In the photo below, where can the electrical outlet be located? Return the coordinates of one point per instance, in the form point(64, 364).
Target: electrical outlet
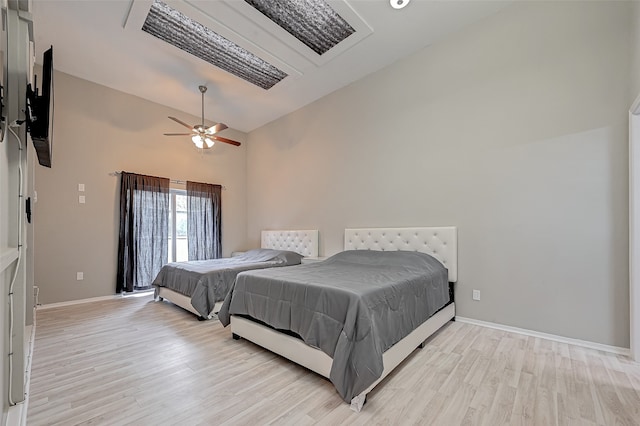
point(81, 199)
point(79, 276)
point(476, 294)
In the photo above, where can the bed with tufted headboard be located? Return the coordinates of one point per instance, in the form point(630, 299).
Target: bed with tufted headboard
point(304, 242)
point(382, 293)
point(200, 286)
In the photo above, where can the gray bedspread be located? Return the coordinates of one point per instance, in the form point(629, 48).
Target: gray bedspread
point(353, 306)
point(209, 281)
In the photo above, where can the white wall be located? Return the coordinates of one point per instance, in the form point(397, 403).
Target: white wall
point(7, 218)
point(514, 130)
point(13, 244)
point(97, 131)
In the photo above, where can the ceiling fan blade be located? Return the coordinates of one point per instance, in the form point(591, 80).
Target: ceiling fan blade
point(178, 134)
point(225, 140)
point(181, 122)
point(216, 128)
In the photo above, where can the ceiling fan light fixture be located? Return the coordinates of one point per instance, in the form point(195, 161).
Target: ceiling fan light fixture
point(197, 140)
point(209, 142)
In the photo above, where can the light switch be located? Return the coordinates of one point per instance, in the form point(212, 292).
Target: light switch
point(81, 187)
point(81, 199)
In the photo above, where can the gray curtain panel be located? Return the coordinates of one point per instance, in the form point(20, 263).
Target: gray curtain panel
point(144, 230)
point(204, 226)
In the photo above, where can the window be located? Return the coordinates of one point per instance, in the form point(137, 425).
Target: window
point(178, 243)
point(164, 225)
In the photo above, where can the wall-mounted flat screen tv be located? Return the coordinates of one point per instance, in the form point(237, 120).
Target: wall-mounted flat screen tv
point(40, 111)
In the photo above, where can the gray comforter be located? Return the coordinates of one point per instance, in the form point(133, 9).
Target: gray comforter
point(209, 281)
point(353, 306)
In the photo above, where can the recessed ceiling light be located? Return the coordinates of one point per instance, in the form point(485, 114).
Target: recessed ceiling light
point(399, 4)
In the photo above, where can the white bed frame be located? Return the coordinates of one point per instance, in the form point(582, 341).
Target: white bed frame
point(304, 242)
point(439, 242)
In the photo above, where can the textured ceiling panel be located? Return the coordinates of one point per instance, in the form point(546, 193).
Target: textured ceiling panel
point(313, 22)
point(179, 30)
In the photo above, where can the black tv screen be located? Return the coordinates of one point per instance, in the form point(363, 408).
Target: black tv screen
point(40, 109)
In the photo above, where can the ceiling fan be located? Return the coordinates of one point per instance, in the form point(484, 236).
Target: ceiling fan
point(203, 137)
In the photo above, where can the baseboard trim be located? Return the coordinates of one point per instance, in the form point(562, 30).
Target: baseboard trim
point(16, 414)
point(79, 301)
point(95, 299)
point(561, 339)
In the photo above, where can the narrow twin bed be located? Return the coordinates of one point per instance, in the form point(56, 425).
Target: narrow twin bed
point(200, 286)
point(355, 316)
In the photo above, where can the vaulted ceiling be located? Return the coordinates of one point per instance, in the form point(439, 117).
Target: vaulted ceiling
point(103, 41)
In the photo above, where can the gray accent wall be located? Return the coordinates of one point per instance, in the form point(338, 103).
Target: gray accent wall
point(514, 130)
point(635, 50)
point(97, 131)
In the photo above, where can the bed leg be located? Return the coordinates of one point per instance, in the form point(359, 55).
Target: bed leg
point(358, 401)
point(235, 336)
point(422, 345)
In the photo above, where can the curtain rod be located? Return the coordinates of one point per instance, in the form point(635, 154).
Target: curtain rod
point(177, 181)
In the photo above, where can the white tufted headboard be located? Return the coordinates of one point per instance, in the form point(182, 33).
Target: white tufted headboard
point(439, 242)
point(303, 242)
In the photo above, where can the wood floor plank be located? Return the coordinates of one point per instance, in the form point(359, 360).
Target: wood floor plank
point(502, 407)
point(451, 412)
point(567, 408)
point(132, 361)
point(473, 416)
point(545, 411)
point(522, 409)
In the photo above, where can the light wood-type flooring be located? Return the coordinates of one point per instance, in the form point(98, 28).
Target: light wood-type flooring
point(140, 362)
